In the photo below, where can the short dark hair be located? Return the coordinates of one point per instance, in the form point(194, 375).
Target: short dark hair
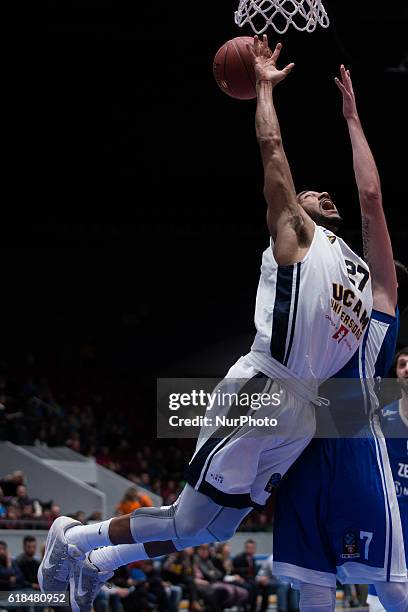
point(403, 351)
point(402, 272)
point(249, 542)
point(402, 279)
point(2, 543)
point(29, 538)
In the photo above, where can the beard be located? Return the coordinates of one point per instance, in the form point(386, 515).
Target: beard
point(333, 224)
point(403, 383)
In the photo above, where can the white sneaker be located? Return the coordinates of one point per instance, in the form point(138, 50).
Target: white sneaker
point(54, 570)
point(85, 582)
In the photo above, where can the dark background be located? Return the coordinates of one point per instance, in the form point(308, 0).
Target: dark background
point(137, 223)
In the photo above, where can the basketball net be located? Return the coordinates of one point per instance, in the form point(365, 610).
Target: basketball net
point(304, 15)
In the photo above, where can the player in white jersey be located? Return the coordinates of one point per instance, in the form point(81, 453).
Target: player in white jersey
point(313, 305)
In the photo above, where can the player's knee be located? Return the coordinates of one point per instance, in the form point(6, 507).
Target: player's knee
point(153, 524)
point(222, 533)
point(393, 595)
point(189, 527)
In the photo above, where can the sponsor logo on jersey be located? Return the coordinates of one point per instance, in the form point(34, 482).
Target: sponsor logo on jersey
point(340, 334)
point(350, 546)
point(400, 489)
point(273, 482)
point(403, 470)
point(357, 319)
point(332, 239)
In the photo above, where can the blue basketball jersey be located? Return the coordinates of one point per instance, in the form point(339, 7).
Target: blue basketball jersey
point(336, 513)
point(395, 428)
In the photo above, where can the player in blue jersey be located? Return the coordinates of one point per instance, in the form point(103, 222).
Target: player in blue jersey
point(395, 428)
point(336, 513)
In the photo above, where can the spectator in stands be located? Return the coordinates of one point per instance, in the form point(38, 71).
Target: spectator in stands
point(244, 565)
point(146, 592)
point(132, 500)
point(156, 592)
point(12, 516)
point(95, 517)
point(222, 561)
point(288, 598)
point(3, 508)
point(10, 483)
point(22, 497)
point(46, 516)
point(104, 456)
point(109, 598)
point(74, 442)
point(209, 580)
point(55, 512)
point(170, 491)
point(178, 569)
point(27, 514)
point(80, 516)
point(10, 575)
point(29, 563)
point(145, 481)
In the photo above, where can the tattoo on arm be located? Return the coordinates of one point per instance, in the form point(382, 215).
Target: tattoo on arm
point(366, 238)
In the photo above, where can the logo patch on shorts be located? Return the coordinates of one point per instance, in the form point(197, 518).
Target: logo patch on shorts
point(219, 478)
point(351, 545)
point(273, 482)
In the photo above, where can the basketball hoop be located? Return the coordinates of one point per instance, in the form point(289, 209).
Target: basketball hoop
point(304, 15)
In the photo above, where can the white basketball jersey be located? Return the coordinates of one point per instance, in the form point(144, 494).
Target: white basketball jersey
point(312, 316)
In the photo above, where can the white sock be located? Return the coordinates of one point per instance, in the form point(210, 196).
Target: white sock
point(88, 537)
point(110, 558)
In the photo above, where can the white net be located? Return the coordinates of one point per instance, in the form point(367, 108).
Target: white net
point(304, 15)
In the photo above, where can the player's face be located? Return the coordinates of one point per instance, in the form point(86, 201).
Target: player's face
point(402, 370)
point(321, 208)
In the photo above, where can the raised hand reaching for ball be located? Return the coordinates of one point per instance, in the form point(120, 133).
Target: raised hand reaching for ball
point(265, 61)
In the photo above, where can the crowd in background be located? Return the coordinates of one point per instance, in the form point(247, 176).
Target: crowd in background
point(36, 411)
point(18, 510)
point(92, 417)
point(207, 579)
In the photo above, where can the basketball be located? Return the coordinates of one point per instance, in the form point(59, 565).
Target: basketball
point(234, 70)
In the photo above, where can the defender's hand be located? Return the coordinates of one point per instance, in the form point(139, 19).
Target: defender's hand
point(349, 99)
point(265, 61)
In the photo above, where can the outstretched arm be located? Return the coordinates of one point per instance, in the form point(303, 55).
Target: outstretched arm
point(289, 226)
point(376, 239)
